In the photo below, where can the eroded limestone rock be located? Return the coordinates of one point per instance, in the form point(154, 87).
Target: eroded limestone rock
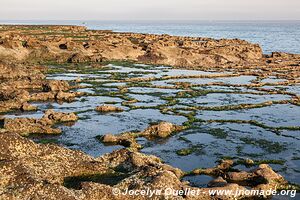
point(18, 71)
point(108, 108)
point(19, 80)
point(106, 45)
point(56, 85)
point(12, 99)
point(161, 130)
point(127, 139)
point(25, 126)
point(34, 171)
point(57, 117)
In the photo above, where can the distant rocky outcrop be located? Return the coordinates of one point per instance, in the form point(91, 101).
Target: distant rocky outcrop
point(76, 44)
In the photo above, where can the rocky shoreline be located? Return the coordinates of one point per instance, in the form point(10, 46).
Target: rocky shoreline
point(48, 171)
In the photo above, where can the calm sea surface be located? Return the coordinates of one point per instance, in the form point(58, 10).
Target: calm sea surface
point(271, 35)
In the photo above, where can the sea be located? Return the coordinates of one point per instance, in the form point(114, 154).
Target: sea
point(273, 36)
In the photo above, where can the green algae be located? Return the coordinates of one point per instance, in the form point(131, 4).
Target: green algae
point(109, 178)
point(184, 139)
point(258, 162)
point(252, 122)
point(270, 147)
point(218, 133)
point(48, 141)
point(185, 152)
point(197, 149)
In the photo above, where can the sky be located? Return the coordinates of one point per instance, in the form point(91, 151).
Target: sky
point(150, 10)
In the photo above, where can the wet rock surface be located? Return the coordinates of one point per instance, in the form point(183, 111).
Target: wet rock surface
point(108, 108)
point(48, 171)
point(127, 139)
point(161, 130)
point(26, 126)
point(19, 85)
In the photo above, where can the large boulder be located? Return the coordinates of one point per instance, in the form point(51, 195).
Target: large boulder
point(161, 130)
point(128, 139)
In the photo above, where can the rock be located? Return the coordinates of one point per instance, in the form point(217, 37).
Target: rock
point(108, 108)
point(56, 85)
point(16, 71)
point(63, 46)
point(273, 179)
point(218, 182)
point(128, 139)
point(125, 139)
point(58, 117)
point(262, 178)
point(27, 107)
point(65, 96)
point(53, 172)
point(43, 96)
point(58, 96)
point(225, 164)
point(109, 138)
point(239, 176)
point(15, 100)
point(25, 126)
point(185, 52)
point(14, 94)
point(78, 80)
point(147, 48)
point(249, 161)
point(37, 170)
point(161, 130)
point(219, 170)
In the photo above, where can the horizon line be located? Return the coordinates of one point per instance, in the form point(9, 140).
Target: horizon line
point(149, 20)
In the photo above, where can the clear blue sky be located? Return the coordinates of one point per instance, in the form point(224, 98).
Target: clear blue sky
point(150, 9)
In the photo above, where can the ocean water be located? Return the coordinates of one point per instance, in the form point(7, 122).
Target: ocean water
point(271, 35)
